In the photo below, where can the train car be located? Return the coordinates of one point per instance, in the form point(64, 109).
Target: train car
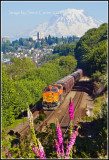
point(77, 75)
point(81, 73)
point(54, 94)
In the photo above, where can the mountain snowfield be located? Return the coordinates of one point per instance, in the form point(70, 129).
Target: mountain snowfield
point(67, 22)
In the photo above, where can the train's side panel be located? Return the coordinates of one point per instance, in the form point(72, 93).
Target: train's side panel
point(77, 75)
point(67, 82)
point(81, 73)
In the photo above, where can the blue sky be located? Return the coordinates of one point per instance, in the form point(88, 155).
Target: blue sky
point(18, 17)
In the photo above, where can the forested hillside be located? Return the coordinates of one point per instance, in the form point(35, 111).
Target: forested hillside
point(23, 83)
point(91, 50)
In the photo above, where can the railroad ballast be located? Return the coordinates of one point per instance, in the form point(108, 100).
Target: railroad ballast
point(54, 94)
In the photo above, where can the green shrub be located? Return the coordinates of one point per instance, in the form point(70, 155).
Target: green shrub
point(36, 121)
point(42, 116)
point(88, 118)
point(95, 76)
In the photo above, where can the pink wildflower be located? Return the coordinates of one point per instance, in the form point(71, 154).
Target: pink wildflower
point(59, 134)
point(71, 111)
point(71, 143)
point(58, 149)
point(60, 140)
point(62, 154)
point(6, 151)
point(9, 155)
point(41, 149)
point(36, 151)
point(39, 152)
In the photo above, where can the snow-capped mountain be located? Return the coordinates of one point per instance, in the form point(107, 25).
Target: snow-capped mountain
point(67, 23)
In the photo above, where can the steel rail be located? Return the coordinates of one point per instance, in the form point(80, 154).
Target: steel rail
point(77, 104)
point(49, 116)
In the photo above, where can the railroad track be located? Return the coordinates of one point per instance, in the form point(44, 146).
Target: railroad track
point(65, 121)
point(45, 121)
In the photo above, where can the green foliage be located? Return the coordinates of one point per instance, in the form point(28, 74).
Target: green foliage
point(42, 116)
point(6, 46)
point(49, 73)
point(103, 113)
point(48, 57)
point(8, 96)
point(95, 76)
point(103, 79)
point(36, 121)
point(91, 50)
point(94, 135)
point(67, 63)
point(30, 74)
point(87, 118)
point(22, 98)
point(18, 66)
point(65, 49)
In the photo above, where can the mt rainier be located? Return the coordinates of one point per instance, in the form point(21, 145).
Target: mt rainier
point(67, 22)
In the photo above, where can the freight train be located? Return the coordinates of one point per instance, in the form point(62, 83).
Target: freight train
point(54, 94)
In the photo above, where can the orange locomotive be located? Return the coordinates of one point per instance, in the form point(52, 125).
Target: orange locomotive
point(54, 94)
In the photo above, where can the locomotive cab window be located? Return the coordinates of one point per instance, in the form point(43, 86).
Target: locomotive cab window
point(54, 90)
point(46, 90)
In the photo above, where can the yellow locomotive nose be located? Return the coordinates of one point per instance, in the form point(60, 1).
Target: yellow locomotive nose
point(50, 97)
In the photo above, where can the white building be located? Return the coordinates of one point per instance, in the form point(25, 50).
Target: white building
point(40, 35)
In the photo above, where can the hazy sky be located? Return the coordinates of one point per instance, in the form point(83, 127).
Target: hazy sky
point(18, 17)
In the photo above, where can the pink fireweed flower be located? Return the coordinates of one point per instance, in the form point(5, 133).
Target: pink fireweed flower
point(39, 152)
point(41, 149)
point(58, 149)
point(6, 151)
point(71, 111)
point(60, 139)
point(37, 148)
point(59, 134)
point(9, 155)
point(62, 153)
point(71, 143)
point(36, 151)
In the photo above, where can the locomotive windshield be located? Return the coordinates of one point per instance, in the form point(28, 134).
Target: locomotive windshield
point(54, 90)
point(46, 90)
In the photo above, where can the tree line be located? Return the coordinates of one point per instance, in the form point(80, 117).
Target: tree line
point(28, 43)
point(91, 51)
